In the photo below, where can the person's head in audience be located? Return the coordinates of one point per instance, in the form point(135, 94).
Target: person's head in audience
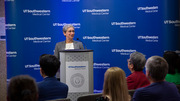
point(49, 65)
point(115, 86)
point(136, 62)
point(22, 88)
point(156, 69)
point(173, 61)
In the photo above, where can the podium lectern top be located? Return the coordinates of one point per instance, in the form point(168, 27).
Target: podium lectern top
point(77, 50)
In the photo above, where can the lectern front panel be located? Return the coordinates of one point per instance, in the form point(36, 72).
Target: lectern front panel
point(77, 72)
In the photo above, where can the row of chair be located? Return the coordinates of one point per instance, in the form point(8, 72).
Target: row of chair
point(65, 99)
point(92, 97)
point(89, 97)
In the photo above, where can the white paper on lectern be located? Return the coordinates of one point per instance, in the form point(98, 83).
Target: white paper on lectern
point(77, 76)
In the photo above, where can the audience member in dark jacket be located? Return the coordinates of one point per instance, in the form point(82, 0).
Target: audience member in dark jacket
point(50, 87)
point(159, 90)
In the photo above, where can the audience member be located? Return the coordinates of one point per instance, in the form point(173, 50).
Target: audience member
point(115, 86)
point(22, 88)
point(50, 87)
point(136, 64)
point(159, 90)
point(174, 67)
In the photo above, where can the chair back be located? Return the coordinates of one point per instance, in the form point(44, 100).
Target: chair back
point(178, 87)
point(131, 93)
point(62, 99)
point(89, 97)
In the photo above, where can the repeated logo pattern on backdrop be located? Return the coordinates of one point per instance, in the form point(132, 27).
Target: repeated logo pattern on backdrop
point(112, 28)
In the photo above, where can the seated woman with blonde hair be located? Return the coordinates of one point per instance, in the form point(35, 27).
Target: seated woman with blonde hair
point(115, 86)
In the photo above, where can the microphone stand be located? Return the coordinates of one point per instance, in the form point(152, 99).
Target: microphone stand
point(82, 43)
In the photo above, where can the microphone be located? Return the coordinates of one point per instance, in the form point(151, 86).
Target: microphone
point(82, 43)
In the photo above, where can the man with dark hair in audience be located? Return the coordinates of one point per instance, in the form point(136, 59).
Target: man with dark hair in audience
point(159, 90)
point(50, 87)
point(136, 64)
point(22, 88)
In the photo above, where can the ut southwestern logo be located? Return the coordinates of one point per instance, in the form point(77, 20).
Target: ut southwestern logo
point(152, 9)
point(70, 0)
point(38, 39)
point(124, 24)
point(147, 8)
point(37, 12)
point(76, 25)
point(101, 65)
point(96, 11)
point(34, 66)
point(149, 38)
point(123, 51)
point(97, 38)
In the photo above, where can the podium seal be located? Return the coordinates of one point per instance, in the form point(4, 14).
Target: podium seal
point(77, 80)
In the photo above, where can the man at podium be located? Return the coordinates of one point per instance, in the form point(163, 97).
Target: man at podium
point(69, 43)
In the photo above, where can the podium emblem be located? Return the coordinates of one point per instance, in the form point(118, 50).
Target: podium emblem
point(77, 80)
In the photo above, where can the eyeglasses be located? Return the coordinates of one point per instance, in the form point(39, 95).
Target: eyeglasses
point(71, 31)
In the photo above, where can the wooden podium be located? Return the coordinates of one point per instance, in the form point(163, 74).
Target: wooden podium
point(76, 71)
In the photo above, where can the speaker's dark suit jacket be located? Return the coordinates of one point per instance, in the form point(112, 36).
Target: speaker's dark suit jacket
point(51, 88)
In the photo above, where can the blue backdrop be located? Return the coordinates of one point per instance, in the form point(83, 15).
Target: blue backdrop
point(112, 28)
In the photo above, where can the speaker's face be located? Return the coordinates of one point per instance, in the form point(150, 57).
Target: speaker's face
point(69, 33)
